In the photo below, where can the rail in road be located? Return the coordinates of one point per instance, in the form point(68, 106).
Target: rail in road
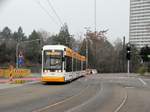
point(96, 93)
point(84, 91)
point(84, 98)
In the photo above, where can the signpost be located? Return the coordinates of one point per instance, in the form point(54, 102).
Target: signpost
point(20, 59)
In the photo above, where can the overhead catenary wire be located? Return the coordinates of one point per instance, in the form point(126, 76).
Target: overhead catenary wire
point(53, 9)
point(47, 12)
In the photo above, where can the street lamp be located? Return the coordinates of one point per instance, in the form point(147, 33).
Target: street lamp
point(87, 30)
point(86, 52)
point(95, 15)
point(17, 47)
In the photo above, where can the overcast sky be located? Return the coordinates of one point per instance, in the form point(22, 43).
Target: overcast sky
point(78, 14)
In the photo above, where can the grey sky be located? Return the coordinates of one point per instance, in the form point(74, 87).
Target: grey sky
point(111, 14)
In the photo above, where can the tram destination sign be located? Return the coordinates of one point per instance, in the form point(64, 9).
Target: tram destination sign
point(53, 53)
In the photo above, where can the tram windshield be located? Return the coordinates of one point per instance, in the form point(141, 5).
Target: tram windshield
point(53, 60)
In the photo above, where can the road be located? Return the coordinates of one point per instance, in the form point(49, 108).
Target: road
point(95, 93)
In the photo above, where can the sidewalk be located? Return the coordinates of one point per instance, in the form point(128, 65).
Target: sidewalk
point(31, 77)
point(7, 85)
point(28, 79)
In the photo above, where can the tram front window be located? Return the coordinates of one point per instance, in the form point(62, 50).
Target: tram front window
point(53, 61)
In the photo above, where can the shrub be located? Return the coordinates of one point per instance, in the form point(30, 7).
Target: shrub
point(142, 70)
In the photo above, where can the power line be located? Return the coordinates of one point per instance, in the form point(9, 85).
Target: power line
point(38, 2)
point(51, 6)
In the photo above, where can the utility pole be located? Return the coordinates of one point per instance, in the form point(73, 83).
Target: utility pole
point(86, 40)
point(86, 52)
point(17, 55)
point(95, 21)
point(123, 69)
point(128, 67)
point(95, 16)
point(95, 51)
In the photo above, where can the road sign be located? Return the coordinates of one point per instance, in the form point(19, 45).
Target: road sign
point(76, 49)
point(20, 59)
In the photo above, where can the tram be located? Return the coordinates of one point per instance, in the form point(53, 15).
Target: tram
point(61, 64)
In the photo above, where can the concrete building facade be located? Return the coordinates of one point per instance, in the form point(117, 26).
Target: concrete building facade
point(139, 34)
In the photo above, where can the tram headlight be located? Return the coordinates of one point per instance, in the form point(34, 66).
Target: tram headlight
point(58, 71)
point(47, 71)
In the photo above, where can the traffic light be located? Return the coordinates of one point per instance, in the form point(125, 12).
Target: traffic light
point(128, 52)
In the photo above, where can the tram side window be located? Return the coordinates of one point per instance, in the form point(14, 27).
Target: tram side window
point(84, 65)
point(74, 64)
point(78, 65)
point(68, 64)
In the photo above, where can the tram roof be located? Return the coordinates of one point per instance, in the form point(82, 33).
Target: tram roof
point(69, 52)
point(54, 47)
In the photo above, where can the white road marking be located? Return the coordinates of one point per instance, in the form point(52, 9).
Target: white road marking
point(142, 81)
point(123, 102)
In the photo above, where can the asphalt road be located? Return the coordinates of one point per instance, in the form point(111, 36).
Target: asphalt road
point(96, 93)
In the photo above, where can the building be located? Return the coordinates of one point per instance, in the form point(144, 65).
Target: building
point(139, 34)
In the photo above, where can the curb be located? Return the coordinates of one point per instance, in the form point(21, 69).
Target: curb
point(14, 85)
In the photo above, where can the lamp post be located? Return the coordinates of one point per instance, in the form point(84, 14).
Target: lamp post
point(17, 48)
point(87, 30)
point(95, 21)
point(86, 52)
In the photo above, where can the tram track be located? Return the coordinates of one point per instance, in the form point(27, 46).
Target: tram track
point(88, 94)
point(66, 106)
point(36, 96)
point(137, 100)
point(57, 103)
point(81, 97)
point(122, 103)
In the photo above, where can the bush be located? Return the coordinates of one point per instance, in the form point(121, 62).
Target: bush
point(142, 70)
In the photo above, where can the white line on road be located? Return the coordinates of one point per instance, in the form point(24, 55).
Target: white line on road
point(142, 81)
point(123, 102)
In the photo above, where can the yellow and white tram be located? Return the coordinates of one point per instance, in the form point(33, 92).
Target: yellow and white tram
point(61, 64)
